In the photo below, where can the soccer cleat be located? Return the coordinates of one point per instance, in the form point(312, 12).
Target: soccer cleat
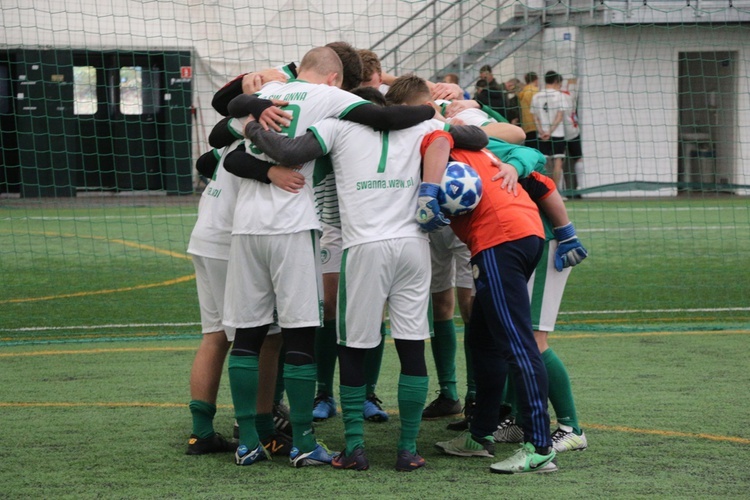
point(463, 424)
point(281, 418)
point(356, 461)
point(508, 432)
point(324, 407)
point(441, 407)
point(373, 411)
point(214, 444)
point(465, 445)
point(526, 460)
point(279, 444)
point(568, 441)
point(320, 455)
point(408, 461)
point(244, 456)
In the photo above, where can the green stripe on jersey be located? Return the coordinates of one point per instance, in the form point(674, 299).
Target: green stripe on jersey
point(320, 139)
point(352, 106)
point(288, 71)
point(342, 298)
point(383, 151)
point(537, 294)
point(315, 241)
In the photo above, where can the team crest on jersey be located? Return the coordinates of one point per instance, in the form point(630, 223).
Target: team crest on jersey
point(325, 255)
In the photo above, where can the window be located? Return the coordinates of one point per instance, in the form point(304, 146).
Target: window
point(131, 90)
point(84, 90)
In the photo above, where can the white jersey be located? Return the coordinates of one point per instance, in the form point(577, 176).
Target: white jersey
point(570, 118)
point(266, 209)
point(470, 116)
point(377, 178)
point(545, 105)
point(213, 229)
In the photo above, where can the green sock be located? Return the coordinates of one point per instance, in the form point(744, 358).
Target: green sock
point(352, 400)
point(325, 355)
point(300, 388)
point(243, 381)
point(203, 418)
point(510, 398)
point(412, 395)
point(444, 353)
point(264, 425)
point(471, 385)
point(373, 360)
point(560, 392)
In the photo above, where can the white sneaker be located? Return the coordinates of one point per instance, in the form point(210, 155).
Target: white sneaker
point(568, 441)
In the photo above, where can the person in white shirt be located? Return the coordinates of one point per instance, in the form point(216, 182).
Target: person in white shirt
point(386, 259)
point(548, 108)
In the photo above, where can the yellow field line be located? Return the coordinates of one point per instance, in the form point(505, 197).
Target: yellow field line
point(175, 281)
point(658, 432)
point(126, 243)
point(610, 428)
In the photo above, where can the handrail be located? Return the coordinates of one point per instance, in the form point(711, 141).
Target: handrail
point(409, 36)
point(397, 28)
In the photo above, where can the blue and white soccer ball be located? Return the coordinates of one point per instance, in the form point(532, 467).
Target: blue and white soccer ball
point(460, 189)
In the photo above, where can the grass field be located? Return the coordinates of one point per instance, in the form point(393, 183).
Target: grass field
point(98, 330)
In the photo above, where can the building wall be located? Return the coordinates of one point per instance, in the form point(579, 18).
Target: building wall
point(628, 103)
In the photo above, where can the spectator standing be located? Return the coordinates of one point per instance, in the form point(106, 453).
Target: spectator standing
point(453, 78)
point(494, 97)
point(548, 108)
point(525, 96)
point(513, 87)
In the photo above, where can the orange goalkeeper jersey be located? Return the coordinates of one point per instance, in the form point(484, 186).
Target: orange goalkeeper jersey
point(500, 216)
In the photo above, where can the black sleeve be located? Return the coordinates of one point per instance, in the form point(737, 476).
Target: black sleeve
point(227, 93)
point(283, 149)
point(206, 164)
point(232, 89)
point(391, 117)
point(537, 189)
point(222, 135)
point(241, 164)
point(245, 104)
point(469, 137)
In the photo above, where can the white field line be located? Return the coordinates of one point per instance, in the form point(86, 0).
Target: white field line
point(623, 227)
point(567, 313)
point(95, 327)
point(99, 218)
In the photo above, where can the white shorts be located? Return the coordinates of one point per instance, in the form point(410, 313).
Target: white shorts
point(450, 261)
point(546, 287)
point(395, 271)
point(279, 269)
point(330, 249)
point(211, 278)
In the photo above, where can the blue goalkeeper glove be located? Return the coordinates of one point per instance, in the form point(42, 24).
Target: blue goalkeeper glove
point(569, 251)
point(429, 216)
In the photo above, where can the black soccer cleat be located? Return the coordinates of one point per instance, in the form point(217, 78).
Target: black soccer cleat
point(441, 407)
point(214, 444)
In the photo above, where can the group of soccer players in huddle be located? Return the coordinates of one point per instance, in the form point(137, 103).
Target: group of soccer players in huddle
point(321, 210)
